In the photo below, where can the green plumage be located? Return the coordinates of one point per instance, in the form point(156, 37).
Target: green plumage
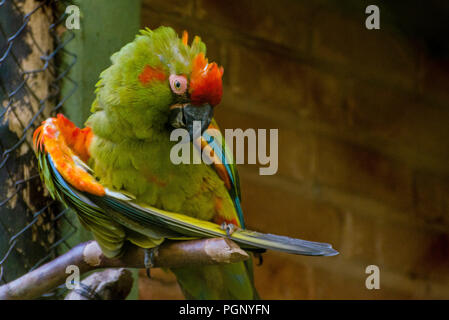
point(153, 198)
point(131, 147)
point(131, 150)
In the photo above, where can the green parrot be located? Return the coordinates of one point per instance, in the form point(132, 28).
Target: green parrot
point(117, 173)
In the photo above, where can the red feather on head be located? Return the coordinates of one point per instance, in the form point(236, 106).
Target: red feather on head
point(205, 82)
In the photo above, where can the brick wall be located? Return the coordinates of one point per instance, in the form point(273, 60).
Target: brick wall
point(363, 143)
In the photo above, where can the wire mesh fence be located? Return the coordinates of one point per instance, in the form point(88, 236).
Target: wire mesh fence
point(33, 63)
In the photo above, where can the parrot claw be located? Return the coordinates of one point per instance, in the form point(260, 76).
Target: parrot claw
point(87, 292)
point(149, 259)
point(229, 228)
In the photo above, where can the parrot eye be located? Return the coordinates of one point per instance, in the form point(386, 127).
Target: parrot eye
point(178, 84)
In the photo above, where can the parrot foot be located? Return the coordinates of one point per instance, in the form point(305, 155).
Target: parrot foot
point(149, 259)
point(87, 292)
point(229, 228)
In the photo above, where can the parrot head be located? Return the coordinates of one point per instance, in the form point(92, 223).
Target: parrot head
point(159, 82)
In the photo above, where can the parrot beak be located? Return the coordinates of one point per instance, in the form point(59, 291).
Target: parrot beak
point(195, 119)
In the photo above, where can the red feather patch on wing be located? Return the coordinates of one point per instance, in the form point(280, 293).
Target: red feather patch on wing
point(67, 146)
point(77, 139)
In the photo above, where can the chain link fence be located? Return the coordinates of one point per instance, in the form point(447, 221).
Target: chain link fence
point(33, 63)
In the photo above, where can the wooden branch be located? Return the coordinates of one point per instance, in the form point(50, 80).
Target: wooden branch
point(110, 284)
point(88, 256)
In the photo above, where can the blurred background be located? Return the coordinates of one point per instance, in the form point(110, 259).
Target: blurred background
point(363, 120)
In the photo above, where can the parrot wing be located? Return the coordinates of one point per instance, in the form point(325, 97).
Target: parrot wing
point(224, 165)
point(71, 181)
